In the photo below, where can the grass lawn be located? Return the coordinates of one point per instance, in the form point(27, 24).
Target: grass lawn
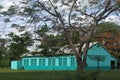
point(7, 74)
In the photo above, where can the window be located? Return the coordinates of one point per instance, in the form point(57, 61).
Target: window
point(72, 61)
point(42, 62)
point(60, 61)
point(64, 61)
point(33, 62)
point(53, 62)
point(49, 62)
point(26, 62)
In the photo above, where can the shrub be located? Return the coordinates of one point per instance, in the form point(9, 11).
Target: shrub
point(4, 62)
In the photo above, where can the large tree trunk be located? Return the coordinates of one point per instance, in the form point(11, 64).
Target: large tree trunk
point(79, 62)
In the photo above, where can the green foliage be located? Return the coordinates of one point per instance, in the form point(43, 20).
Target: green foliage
point(42, 32)
point(82, 76)
point(28, 10)
point(68, 13)
point(51, 43)
point(55, 1)
point(45, 51)
point(7, 20)
point(3, 48)
point(19, 44)
point(11, 11)
point(5, 62)
point(95, 75)
point(108, 33)
point(108, 27)
point(6, 74)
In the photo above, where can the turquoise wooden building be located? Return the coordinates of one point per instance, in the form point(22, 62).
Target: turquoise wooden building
point(98, 57)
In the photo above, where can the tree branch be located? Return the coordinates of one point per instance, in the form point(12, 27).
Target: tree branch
point(57, 13)
point(108, 10)
point(46, 8)
point(89, 15)
point(71, 12)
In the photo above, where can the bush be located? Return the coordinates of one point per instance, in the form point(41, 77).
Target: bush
point(4, 62)
point(94, 75)
point(82, 76)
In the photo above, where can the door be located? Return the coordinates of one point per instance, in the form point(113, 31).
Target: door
point(112, 64)
point(118, 65)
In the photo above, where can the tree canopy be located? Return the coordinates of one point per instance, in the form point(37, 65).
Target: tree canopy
point(18, 44)
point(108, 34)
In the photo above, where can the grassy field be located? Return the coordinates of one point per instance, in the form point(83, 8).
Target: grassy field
point(7, 74)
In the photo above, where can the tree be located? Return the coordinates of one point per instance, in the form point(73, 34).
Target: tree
point(69, 16)
point(108, 35)
point(50, 43)
point(2, 48)
point(18, 44)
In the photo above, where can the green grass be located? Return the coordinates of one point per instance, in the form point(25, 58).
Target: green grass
point(7, 74)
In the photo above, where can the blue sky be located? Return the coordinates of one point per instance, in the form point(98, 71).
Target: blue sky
point(8, 3)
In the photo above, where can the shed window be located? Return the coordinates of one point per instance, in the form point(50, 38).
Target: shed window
point(49, 62)
point(26, 62)
point(64, 61)
point(53, 62)
point(60, 61)
point(72, 61)
point(33, 62)
point(42, 62)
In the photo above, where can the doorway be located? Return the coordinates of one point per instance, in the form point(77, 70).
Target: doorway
point(118, 65)
point(112, 64)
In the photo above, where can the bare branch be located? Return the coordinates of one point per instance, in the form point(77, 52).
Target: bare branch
point(54, 8)
point(71, 12)
point(57, 13)
point(89, 15)
point(108, 10)
point(46, 8)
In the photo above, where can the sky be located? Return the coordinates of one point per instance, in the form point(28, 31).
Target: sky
point(8, 3)
point(7, 29)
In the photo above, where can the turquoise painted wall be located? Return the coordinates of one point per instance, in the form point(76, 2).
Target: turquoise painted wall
point(68, 62)
point(50, 63)
point(100, 51)
point(16, 65)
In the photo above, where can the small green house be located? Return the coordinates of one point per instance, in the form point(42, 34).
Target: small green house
point(97, 57)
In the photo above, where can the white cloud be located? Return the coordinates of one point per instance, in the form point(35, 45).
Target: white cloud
point(114, 19)
point(6, 4)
